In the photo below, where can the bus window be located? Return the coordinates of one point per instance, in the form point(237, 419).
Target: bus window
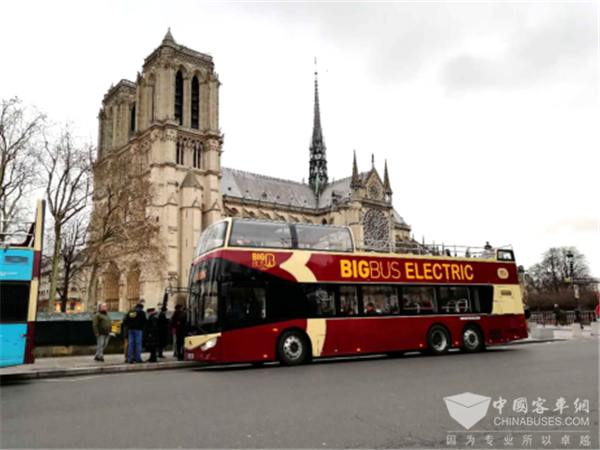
point(348, 300)
point(15, 301)
point(286, 301)
point(455, 300)
point(260, 234)
point(209, 300)
point(213, 237)
point(418, 300)
point(246, 304)
point(313, 237)
point(482, 299)
point(380, 300)
point(321, 300)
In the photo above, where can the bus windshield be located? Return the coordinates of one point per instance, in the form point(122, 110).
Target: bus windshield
point(213, 237)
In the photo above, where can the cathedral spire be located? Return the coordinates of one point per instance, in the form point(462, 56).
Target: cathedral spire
point(168, 39)
point(386, 180)
point(318, 157)
point(355, 183)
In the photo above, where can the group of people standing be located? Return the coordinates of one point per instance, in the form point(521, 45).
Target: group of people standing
point(154, 331)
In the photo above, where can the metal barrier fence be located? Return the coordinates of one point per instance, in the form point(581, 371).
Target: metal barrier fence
point(62, 329)
point(564, 318)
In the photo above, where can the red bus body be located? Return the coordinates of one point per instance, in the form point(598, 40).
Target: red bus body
point(362, 334)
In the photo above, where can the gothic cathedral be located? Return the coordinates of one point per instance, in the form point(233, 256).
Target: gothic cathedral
point(168, 121)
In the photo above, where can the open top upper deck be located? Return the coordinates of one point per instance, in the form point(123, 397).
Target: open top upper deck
point(274, 235)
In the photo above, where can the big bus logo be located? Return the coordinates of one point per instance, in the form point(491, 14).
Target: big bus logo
point(263, 261)
point(503, 273)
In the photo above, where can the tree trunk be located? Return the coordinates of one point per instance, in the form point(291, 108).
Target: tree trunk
point(65, 292)
point(55, 261)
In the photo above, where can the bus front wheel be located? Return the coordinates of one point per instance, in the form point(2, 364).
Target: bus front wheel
point(293, 349)
point(438, 340)
point(472, 339)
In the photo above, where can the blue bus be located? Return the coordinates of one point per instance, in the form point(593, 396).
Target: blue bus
point(20, 262)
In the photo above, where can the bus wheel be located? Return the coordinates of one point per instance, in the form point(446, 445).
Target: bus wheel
point(438, 341)
point(292, 348)
point(472, 339)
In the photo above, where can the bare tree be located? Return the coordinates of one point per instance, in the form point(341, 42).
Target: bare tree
point(67, 166)
point(550, 274)
point(20, 132)
point(72, 256)
point(122, 224)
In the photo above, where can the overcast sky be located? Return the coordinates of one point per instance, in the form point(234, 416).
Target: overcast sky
point(487, 113)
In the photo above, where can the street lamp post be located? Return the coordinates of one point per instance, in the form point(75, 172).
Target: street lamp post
point(570, 258)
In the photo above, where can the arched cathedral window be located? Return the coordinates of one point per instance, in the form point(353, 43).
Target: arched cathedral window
point(197, 154)
point(195, 103)
point(179, 153)
point(132, 120)
point(179, 97)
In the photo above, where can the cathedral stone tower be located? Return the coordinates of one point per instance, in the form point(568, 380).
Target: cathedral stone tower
point(169, 119)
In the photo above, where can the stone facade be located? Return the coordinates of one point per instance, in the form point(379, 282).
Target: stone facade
point(167, 122)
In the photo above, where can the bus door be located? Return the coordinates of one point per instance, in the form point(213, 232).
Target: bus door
point(247, 337)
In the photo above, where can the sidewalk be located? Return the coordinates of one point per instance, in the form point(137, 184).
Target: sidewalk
point(85, 365)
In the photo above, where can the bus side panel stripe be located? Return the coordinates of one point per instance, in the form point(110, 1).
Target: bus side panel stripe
point(33, 296)
point(317, 331)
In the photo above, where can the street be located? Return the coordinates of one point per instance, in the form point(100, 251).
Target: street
point(372, 402)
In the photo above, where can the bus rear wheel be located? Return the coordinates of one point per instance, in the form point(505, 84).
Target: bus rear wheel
point(472, 339)
point(438, 340)
point(293, 349)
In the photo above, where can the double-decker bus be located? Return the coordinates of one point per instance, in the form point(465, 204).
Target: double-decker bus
point(20, 262)
point(289, 292)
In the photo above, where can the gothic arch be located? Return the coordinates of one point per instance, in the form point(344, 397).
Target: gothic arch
point(111, 287)
point(133, 286)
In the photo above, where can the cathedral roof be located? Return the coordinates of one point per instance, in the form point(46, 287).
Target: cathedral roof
point(251, 186)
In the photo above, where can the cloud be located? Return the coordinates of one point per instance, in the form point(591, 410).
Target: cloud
point(559, 46)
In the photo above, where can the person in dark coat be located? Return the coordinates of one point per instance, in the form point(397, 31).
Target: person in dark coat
point(556, 315)
point(179, 325)
point(163, 331)
point(135, 322)
point(152, 339)
point(173, 327)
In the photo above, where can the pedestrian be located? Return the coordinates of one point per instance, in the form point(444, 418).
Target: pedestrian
point(179, 325)
point(152, 340)
point(163, 331)
point(136, 322)
point(173, 325)
point(125, 333)
point(556, 314)
point(102, 326)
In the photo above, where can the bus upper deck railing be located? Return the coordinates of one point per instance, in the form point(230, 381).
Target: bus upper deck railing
point(16, 233)
point(416, 248)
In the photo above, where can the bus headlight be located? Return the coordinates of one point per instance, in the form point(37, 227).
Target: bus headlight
point(209, 344)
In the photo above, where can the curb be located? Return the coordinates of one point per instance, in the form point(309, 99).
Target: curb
point(534, 341)
point(78, 371)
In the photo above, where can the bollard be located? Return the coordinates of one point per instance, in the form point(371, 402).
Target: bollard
point(542, 333)
point(595, 328)
point(576, 330)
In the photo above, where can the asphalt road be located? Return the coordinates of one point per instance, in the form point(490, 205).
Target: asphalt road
point(374, 402)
